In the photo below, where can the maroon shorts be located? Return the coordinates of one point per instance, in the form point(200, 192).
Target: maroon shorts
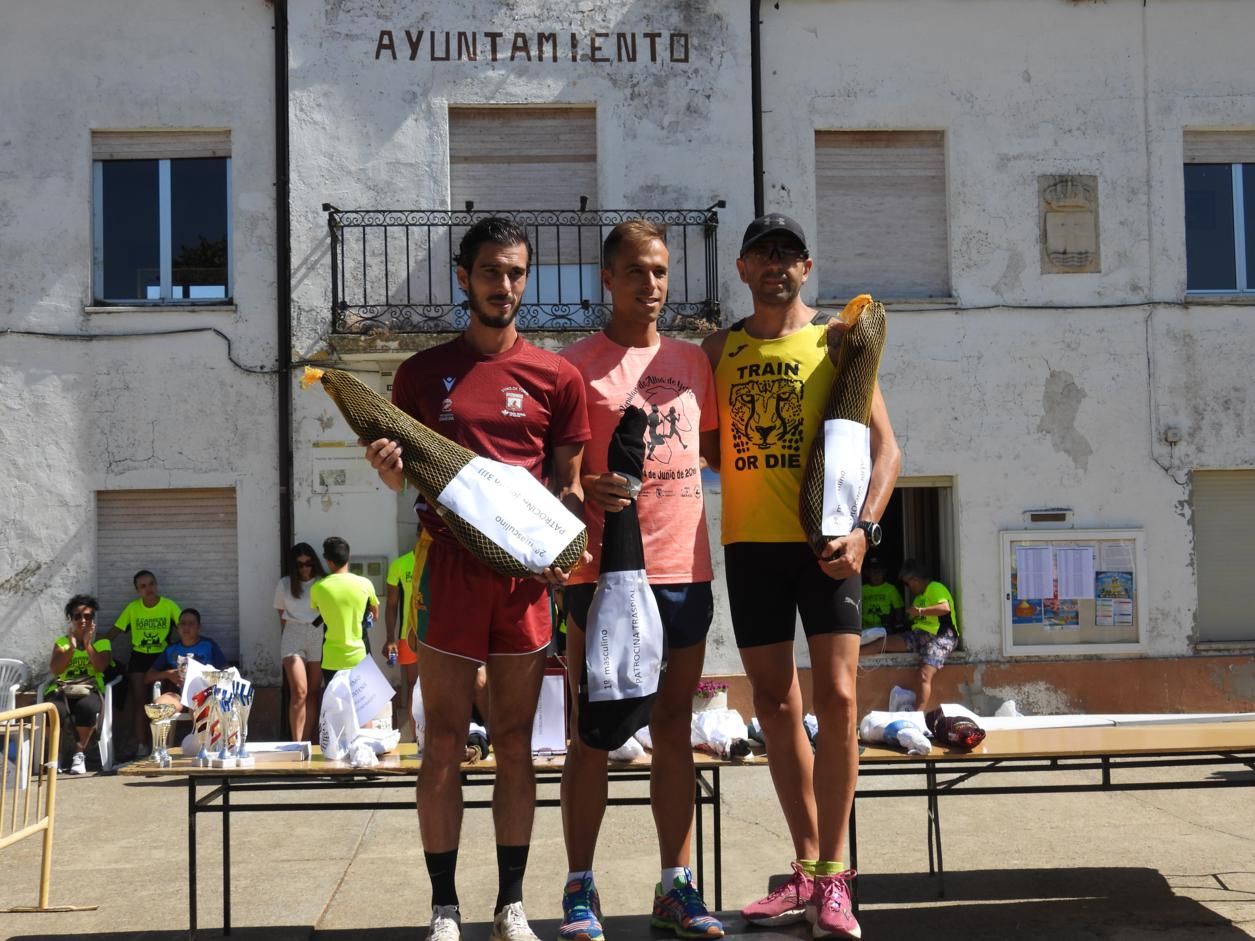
point(475, 613)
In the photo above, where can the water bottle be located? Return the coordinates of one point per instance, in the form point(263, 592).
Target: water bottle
point(392, 657)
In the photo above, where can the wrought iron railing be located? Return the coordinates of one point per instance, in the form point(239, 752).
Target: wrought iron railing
point(393, 271)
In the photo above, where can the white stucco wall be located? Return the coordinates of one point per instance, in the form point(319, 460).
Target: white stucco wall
point(1050, 400)
point(372, 132)
point(80, 416)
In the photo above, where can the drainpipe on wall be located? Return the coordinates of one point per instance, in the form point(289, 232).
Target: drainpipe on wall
point(283, 277)
point(756, 103)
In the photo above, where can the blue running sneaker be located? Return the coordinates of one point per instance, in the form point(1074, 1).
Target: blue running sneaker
point(581, 912)
point(681, 910)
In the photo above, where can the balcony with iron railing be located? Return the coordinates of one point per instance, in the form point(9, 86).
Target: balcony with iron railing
point(393, 271)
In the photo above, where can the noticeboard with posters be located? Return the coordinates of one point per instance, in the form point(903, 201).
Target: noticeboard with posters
point(1072, 591)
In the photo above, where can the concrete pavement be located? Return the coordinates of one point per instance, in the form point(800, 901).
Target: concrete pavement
point(1120, 866)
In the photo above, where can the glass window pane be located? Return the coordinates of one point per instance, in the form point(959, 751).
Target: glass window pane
point(1248, 194)
point(131, 249)
point(198, 227)
point(1209, 249)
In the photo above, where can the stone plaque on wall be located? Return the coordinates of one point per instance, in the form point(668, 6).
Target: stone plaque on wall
point(1069, 224)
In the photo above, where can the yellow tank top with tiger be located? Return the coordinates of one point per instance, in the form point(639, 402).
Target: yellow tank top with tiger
point(772, 395)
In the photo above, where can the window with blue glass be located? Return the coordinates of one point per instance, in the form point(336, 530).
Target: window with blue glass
point(162, 230)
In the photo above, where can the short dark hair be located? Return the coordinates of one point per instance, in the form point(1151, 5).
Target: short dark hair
point(81, 601)
point(914, 568)
point(140, 574)
point(496, 231)
point(634, 232)
point(192, 611)
point(335, 550)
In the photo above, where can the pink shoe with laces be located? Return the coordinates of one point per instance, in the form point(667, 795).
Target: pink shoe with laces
point(783, 905)
point(829, 908)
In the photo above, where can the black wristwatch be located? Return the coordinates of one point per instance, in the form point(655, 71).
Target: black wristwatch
point(871, 530)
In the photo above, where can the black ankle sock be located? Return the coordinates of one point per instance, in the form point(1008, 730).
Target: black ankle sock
point(442, 870)
point(511, 864)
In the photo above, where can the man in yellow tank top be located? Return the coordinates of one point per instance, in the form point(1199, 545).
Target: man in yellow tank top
point(773, 375)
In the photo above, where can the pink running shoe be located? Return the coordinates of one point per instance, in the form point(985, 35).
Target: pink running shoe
point(785, 904)
point(829, 907)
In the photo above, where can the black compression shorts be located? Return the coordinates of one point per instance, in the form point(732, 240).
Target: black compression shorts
point(771, 583)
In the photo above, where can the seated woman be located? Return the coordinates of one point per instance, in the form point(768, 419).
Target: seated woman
point(167, 668)
point(78, 663)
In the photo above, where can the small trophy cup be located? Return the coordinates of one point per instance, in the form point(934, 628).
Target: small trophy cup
point(221, 703)
point(204, 715)
point(160, 716)
point(243, 705)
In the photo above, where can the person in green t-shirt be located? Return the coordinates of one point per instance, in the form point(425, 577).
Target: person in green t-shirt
point(150, 620)
point(78, 663)
point(934, 629)
point(342, 600)
point(882, 602)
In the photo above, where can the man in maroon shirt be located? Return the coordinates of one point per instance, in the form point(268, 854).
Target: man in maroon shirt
point(498, 395)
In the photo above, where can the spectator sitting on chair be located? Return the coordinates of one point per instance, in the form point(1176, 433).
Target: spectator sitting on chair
point(168, 671)
point(78, 663)
point(934, 629)
point(882, 603)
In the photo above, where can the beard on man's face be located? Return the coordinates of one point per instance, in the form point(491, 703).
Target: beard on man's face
point(492, 316)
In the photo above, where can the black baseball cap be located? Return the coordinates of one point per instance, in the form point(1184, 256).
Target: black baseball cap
point(770, 224)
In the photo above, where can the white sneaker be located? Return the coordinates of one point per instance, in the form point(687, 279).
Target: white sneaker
point(873, 634)
point(78, 764)
point(511, 925)
point(446, 924)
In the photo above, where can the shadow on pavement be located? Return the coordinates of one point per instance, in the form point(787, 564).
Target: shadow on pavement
point(981, 905)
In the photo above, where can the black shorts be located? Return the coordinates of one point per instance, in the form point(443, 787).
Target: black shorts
point(141, 662)
point(686, 610)
point(771, 583)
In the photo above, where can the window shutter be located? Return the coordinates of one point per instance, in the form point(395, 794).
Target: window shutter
point(188, 539)
point(1220, 146)
point(1224, 545)
point(881, 199)
point(522, 158)
point(160, 144)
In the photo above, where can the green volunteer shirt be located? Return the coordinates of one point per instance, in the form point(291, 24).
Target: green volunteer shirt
point(149, 627)
point(878, 601)
point(401, 574)
point(342, 599)
point(80, 668)
point(933, 594)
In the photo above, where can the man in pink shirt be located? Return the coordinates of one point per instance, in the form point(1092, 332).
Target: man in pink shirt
point(630, 364)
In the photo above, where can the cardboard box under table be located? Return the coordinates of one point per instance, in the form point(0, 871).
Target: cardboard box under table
point(314, 776)
point(1114, 753)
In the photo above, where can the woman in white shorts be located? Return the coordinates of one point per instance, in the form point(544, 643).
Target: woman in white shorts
point(301, 643)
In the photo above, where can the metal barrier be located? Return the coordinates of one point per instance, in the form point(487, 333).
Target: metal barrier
point(30, 740)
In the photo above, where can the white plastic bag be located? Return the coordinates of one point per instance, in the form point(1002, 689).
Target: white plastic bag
point(337, 723)
point(716, 729)
point(420, 716)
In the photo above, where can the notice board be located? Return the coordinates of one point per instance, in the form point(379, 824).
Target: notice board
point(1072, 591)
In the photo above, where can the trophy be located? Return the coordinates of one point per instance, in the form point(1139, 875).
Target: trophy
point(243, 705)
point(203, 719)
point(160, 715)
point(220, 707)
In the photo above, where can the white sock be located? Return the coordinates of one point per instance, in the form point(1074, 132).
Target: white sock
point(579, 875)
point(670, 875)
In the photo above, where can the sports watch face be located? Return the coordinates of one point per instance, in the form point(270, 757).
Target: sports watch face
point(873, 532)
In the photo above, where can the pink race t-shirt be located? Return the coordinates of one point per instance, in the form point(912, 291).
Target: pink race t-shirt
point(673, 383)
point(514, 407)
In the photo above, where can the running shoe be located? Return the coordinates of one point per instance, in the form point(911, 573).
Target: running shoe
point(581, 912)
point(783, 905)
point(680, 909)
point(78, 764)
point(446, 924)
point(829, 908)
point(510, 924)
point(871, 635)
